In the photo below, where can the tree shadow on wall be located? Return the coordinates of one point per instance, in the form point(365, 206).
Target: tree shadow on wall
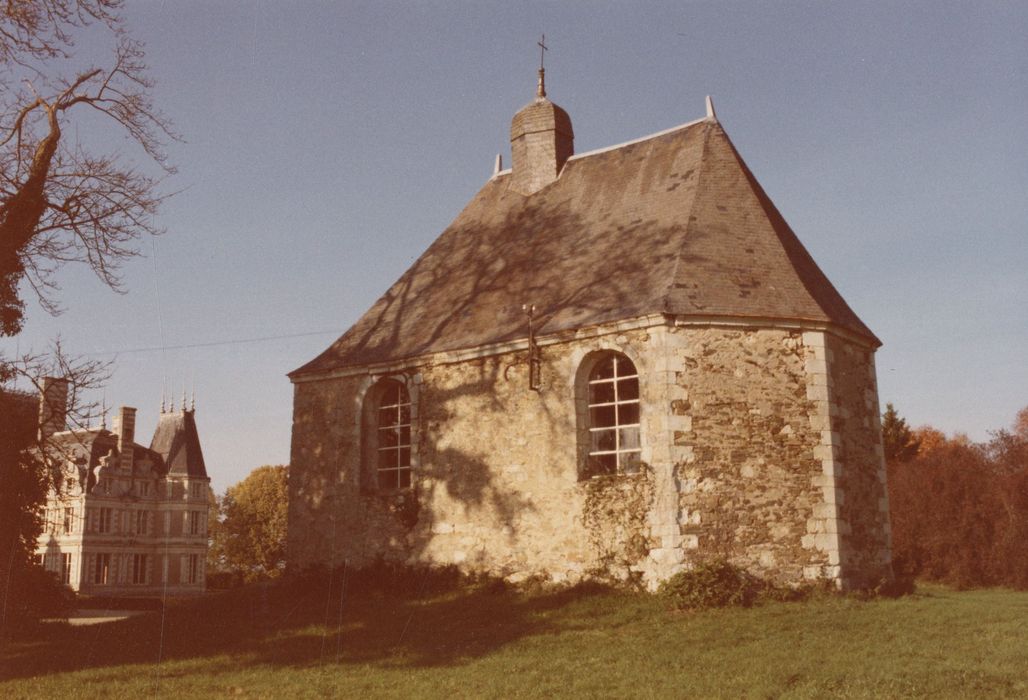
point(468, 288)
point(413, 619)
point(578, 265)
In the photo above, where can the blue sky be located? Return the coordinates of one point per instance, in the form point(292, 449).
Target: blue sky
point(327, 144)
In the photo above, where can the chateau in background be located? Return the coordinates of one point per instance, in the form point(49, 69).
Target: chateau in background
point(128, 520)
point(615, 363)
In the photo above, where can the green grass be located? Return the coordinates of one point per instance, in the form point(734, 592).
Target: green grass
point(291, 641)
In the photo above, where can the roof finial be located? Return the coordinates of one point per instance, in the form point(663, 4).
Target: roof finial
point(540, 91)
point(183, 396)
point(103, 412)
point(192, 398)
point(710, 109)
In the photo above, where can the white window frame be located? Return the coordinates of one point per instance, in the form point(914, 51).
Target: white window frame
point(626, 459)
point(399, 469)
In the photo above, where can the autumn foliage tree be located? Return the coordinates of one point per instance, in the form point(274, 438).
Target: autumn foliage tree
point(898, 439)
point(248, 538)
point(1021, 424)
point(960, 510)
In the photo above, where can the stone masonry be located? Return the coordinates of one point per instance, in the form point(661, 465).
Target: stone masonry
point(749, 455)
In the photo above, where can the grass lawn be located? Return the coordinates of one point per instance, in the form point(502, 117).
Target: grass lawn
point(320, 641)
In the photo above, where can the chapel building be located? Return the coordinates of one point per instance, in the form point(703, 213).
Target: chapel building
point(616, 363)
point(125, 519)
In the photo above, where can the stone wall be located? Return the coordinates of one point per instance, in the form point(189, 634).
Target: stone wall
point(863, 506)
point(742, 450)
point(744, 454)
point(497, 485)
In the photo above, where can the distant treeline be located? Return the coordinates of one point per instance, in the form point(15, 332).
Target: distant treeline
point(959, 508)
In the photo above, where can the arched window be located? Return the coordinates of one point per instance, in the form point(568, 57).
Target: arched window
point(388, 446)
point(612, 418)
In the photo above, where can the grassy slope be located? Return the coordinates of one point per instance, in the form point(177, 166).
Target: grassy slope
point(274, 642)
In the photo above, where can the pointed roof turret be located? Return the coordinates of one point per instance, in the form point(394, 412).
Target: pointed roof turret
point(177, 441)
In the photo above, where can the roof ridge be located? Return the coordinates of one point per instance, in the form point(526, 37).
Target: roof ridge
point(690, 219)
point(614, 147)
point(658, 134)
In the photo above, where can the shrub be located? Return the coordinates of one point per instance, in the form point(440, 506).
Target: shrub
point(712, 584)
point(32, 594)
point(118, 603)
point(224, 580)
point(383, 577)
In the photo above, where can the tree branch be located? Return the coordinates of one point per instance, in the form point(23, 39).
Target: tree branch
point(101, 207)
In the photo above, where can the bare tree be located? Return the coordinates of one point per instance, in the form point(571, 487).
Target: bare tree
point(58, 201)
point(40, 30)
point(61, 202)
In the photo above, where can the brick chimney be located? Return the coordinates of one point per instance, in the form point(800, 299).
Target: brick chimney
point(126, 431)
point(53, 407)
point(541, 141)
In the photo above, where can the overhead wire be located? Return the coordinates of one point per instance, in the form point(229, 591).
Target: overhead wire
point(236, 341)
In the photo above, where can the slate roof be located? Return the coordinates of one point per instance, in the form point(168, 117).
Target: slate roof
point(178, 443)
point(85, 447)
point(674, 223)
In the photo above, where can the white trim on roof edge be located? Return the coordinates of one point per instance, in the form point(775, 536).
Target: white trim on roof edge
point(665, 132)
point(597, 151)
